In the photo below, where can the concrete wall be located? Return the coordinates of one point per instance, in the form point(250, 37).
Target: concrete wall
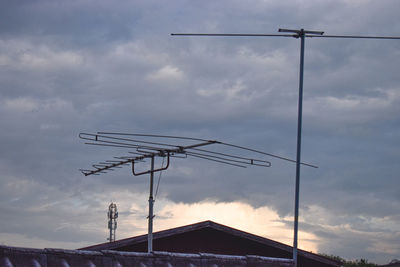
point(12, 256)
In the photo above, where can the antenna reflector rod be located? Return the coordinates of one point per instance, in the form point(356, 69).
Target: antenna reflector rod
point(299, 31)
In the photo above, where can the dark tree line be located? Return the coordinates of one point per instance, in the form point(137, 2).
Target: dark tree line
point(353, 263)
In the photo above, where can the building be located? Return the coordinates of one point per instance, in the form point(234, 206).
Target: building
point(212, 238)
point(393, 263)
point(204, 244)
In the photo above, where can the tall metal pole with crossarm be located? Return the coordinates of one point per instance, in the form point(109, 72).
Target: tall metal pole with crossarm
point(299, 34)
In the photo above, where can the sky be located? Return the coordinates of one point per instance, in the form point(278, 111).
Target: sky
point(85, 66)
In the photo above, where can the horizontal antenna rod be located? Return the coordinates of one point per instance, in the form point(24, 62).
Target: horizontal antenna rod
point(205, 140)
point(151, 152)
point(232, 34)
point(301, 31)
point(311, 34)
point(268, 154)
point(220, 161)
point(249, 162)
point(105, 167)
point(356, 37)
point(231, 156)
point(226, 159)
point(155, 135)
point(96, 137)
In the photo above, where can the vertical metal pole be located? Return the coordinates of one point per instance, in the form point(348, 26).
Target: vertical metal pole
point(109, 215)
point(151, 202)
point(109, 223)
point(298, 160)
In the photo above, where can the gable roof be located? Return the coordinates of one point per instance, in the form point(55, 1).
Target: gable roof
point(213, 229)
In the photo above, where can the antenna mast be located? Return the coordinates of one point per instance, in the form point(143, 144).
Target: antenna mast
point(149, 146)
point(112, 220)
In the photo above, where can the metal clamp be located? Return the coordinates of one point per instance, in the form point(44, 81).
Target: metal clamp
point(149, 171)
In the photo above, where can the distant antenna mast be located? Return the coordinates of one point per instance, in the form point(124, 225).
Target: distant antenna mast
point(150, 146)
point(112, 220)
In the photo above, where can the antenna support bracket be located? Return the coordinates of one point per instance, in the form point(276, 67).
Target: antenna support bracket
point(149, 171)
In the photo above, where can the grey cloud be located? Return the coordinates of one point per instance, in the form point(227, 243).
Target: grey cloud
point(67, 67)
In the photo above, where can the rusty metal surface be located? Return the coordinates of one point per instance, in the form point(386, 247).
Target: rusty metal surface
point(15, 256)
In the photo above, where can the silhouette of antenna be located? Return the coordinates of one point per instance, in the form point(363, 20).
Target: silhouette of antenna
point(142, 147)
point(298, 34)
point(112, 215)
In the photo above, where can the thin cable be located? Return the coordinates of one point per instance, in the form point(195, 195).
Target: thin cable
point(159, 178)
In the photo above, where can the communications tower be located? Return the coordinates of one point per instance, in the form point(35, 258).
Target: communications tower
point(112, 220)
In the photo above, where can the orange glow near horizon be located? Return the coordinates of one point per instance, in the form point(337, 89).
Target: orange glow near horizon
point(262, 221)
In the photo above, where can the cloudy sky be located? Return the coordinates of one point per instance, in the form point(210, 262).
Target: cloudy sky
point(85, 66)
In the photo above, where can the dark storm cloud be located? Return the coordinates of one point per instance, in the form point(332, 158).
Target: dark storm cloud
point(67, 67)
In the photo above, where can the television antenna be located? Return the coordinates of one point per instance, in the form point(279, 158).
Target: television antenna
point(149, 146)
point(298, 34)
